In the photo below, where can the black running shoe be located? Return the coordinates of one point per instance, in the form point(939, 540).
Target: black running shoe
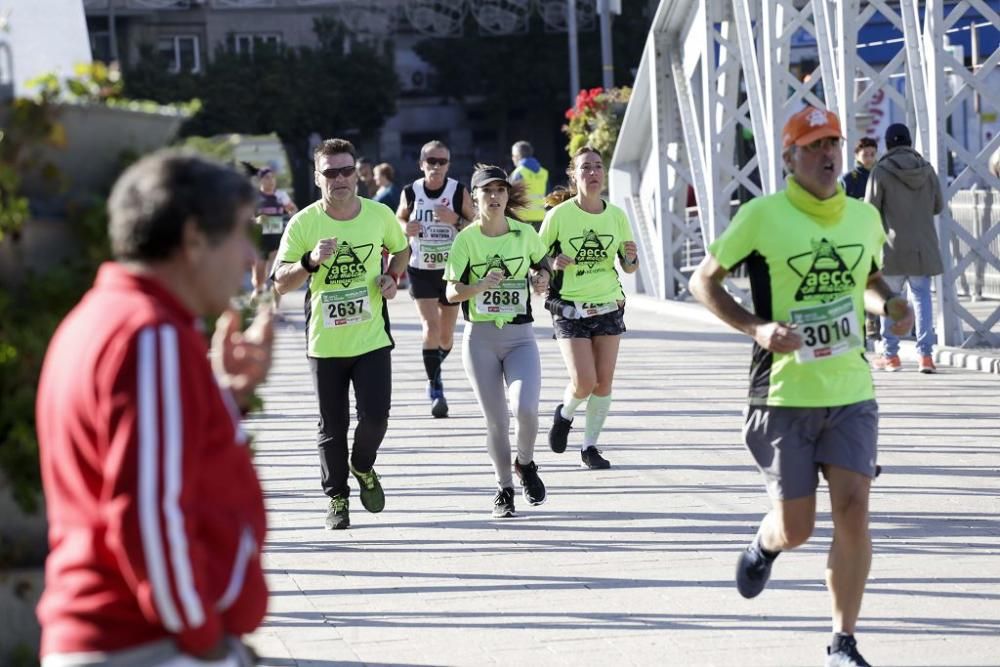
point(338, 516)
point(503, 504)
point(371, 492)
point(753, 570)
point(531, 483)
point(559, 431)
point(592, 459)
point(844, 653)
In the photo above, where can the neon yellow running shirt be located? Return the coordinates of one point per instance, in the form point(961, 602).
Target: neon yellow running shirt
point(473, 255)
point(347, 315)
point(809, 261)
point(592, 240)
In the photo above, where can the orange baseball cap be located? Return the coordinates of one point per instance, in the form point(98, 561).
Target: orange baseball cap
point(808, 125)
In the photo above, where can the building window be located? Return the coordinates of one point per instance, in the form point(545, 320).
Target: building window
point(100, 45)
point(244, 42)
point(181, 53)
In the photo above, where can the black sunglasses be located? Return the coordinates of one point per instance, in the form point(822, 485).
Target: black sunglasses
point(436, 161)
point(333, 172)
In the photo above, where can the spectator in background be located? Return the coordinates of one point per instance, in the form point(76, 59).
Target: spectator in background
point(388, 191)
point(905, 189)
point(865, 154)
point(366, 178)
point(855, 182)
point(535, 178)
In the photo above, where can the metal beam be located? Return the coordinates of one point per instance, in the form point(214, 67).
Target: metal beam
point(723, 49)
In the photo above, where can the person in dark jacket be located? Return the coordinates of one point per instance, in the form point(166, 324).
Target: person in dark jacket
point(855, 182)
point(905, 189)
point(865, 154)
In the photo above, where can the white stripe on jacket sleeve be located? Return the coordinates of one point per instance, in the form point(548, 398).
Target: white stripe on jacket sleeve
point(247, 548)
point(173, 436)
point(149, 467)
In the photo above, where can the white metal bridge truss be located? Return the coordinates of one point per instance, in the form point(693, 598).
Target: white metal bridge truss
point(715, 68)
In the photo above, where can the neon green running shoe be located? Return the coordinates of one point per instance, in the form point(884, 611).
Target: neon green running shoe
point(372, 495)
point(338, 517)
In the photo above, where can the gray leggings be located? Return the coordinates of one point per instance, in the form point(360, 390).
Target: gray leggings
point(495, 358)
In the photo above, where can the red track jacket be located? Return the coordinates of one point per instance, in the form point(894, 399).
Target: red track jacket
point(156, 517)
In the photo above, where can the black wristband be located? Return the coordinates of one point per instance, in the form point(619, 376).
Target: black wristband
point(307, 265)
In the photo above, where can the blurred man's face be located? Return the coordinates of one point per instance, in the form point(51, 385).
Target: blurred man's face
point(216, 269)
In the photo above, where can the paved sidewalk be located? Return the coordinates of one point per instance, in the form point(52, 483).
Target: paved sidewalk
point(633, 565)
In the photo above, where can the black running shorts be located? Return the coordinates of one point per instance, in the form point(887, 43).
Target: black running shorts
point(269, 243)
point(608, 324)
point(428, 284)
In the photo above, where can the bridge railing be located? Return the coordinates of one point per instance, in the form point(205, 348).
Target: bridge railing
point(978, 213)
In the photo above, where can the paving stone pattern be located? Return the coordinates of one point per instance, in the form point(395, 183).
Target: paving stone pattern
point(632, 565)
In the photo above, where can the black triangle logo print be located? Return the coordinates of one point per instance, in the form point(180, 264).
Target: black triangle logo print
point(828, 275)
point(591, 247)
point(591, 241)
point(509, 265)
point(496, 262)
point(348, 264)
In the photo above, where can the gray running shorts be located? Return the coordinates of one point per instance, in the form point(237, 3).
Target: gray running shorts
point(790, 444)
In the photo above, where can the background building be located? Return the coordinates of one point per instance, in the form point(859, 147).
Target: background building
point(451, 106)
point(27, 48)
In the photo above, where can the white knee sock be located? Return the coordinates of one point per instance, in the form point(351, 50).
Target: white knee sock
point(597, 412)
point(570, 402)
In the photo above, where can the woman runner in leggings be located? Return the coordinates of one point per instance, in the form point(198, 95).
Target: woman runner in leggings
point(488, 270)
point(584, 233)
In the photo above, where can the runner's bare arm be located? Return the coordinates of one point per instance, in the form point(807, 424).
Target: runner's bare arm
point(403, 211)
point(403, 215)
point(881, 300)
point(706, 286)
point(541, 274)
point(629, 259)
point(457, 292)
point(398, 262)
point(290, 276)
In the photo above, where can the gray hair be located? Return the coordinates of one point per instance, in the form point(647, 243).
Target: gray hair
point(522, 149)
point(431, 145)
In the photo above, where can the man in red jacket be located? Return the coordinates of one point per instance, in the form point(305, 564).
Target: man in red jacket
point(156, 517)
